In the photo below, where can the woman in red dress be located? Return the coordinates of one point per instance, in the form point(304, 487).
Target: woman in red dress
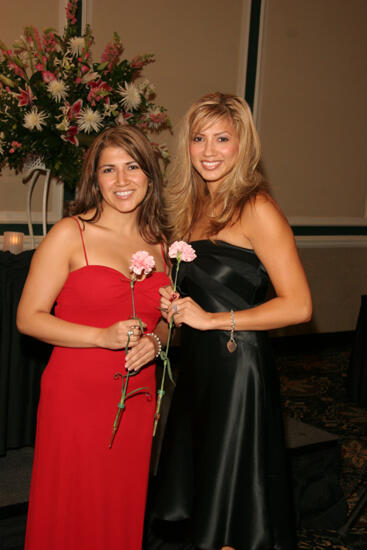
point(83, 493)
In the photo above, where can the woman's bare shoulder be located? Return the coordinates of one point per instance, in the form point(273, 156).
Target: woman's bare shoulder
point(64, 228)
point(262, 217)
point(63, 237)
point(261, 206)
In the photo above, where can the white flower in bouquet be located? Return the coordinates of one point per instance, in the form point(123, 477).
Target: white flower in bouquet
point(89, 120)
point(130, 94)
point(77, 43)
point(35, 119)
point(57, 89)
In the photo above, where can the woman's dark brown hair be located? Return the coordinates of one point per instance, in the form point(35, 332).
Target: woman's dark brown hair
point(152, 215)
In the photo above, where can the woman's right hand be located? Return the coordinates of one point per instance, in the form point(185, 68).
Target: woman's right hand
point(167, 297)
point(116, 336)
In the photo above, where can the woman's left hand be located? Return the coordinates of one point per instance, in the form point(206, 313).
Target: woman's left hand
point(186, 310)
point(142, 353)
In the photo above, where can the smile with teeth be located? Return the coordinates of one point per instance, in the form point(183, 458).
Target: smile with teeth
point(210, 165)
point(123, 194)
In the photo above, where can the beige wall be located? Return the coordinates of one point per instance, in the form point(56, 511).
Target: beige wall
point(20, 13)
point(312, 108)
point(311, 112)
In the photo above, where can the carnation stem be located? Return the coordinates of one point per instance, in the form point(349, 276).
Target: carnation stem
point(161, 391)
point(132, 282)
point(176, 274)
point(164, 356)
point(121, 407)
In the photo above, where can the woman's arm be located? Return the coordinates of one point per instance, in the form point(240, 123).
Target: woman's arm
point(266, 228)
point(49, 270)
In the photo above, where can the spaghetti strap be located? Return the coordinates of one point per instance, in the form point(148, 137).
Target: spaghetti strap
point(166, 268)
point(81, 235)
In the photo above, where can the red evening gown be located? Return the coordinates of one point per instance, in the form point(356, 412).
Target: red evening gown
point(83, 494)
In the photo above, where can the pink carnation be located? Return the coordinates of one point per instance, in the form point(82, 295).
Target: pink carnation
point(141, 262)
point(180, 250)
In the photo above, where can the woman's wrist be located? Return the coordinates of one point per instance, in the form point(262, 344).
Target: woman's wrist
point(96, 336)
point(221, 321)
point(157, 343)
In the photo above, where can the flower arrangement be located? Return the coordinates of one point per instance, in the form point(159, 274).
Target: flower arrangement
point(54, 99)
point(181, 252)
point(141, 262)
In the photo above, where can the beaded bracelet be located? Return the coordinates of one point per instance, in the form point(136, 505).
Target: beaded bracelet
point(158, 340)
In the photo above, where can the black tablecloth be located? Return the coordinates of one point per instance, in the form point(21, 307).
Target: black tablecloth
point(22, 359)
point(357, 375)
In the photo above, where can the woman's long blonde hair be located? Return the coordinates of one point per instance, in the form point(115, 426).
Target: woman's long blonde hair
point(186, 192)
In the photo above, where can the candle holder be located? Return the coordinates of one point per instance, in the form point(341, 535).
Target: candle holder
point(13, 241)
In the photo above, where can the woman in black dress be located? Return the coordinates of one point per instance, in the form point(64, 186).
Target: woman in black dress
point(222, 463)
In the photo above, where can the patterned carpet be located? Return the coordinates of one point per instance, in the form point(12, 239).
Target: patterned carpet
point(313, 388)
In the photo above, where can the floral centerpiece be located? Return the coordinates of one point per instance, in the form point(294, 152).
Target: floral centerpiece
point(54, 99)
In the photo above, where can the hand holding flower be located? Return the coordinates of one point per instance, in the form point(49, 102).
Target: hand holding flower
point(167, 296)
point(187, 311)
point(116, 336)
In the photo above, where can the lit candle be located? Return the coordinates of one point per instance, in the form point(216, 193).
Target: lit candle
point(13, 241)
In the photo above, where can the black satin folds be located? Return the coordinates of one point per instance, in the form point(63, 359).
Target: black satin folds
point(222, 463)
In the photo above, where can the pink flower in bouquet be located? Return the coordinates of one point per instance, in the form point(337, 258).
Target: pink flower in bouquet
point(141, 262)
point(71, 11)
point(180, 250)
point(74, 109)
point(14, 146)
point(25, 97)
point(70, 135)
point(48, 76)
point(18, 71)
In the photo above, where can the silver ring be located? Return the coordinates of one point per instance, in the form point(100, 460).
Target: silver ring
point(130, 332)
point(175, 308)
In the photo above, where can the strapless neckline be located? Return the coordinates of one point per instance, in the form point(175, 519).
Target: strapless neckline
point(225, 243)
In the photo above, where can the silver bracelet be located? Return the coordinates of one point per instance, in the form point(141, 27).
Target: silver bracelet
point(231, 344)
point(158, 340)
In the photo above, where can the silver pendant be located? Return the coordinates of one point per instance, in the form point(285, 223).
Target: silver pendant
point(231, 346)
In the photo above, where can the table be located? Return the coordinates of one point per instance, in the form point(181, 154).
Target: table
point(22, 359)
point(357, 374)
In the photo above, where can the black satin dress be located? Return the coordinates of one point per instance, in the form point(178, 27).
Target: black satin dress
point(223, 458)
